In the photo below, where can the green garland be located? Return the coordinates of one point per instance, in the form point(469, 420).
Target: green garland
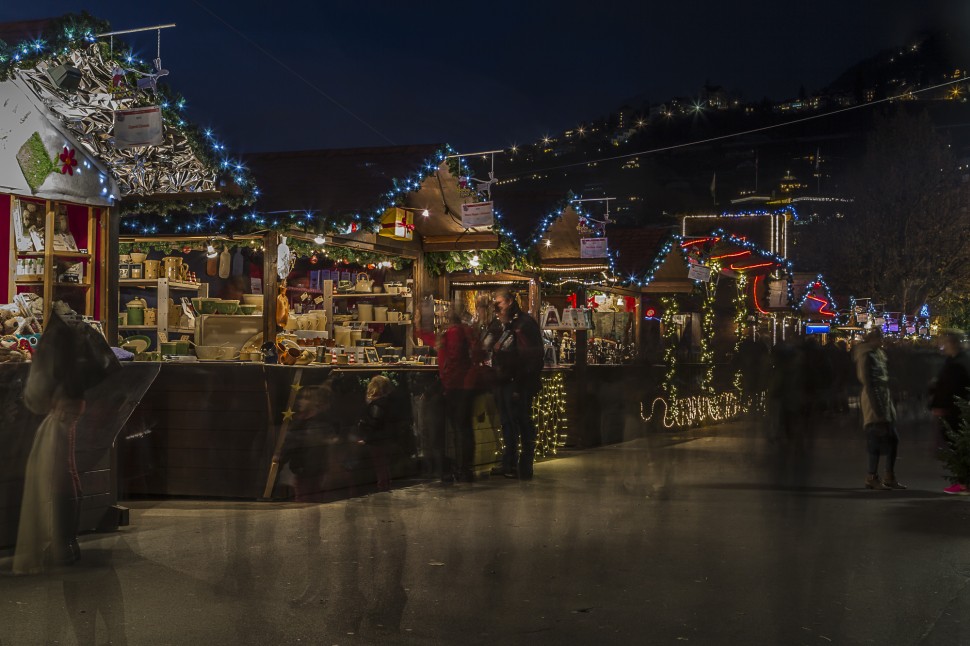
point(349, 255)
point(505, 258)
point(669, 304)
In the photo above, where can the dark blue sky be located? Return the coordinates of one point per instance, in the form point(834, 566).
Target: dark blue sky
point(490, 74)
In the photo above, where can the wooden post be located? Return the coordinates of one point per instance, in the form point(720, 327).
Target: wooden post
point(50, 271)
point(270, 285)
point(111, 228)
point(274, 465)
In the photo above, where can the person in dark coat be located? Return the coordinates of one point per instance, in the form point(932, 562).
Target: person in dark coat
point(953, 382)
point(71, 359)
point(458, 351)
point(517, 357)
point(376, 428)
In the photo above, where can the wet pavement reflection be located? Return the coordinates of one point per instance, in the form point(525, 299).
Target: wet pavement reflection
point(732, 534)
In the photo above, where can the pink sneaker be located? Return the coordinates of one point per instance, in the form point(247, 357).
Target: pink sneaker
point(957, 489)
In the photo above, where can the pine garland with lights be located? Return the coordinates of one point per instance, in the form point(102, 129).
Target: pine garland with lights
point(709, 290)
point(669, 304)
point(740, 314)
point(505, 258)
point(549, 415)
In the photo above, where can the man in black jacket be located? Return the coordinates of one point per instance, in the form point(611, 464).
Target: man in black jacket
point(517, 360)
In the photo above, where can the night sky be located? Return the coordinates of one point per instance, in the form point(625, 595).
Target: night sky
point(490, 74)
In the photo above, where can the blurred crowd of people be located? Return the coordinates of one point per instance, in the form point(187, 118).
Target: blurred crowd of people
point(804, 381)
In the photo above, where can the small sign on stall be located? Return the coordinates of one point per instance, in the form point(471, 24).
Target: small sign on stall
point(592, 247)
point(477, 214)
point(699, 273)
point(138, 127)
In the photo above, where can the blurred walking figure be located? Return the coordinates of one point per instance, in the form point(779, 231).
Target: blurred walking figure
point(878, 412)
point(458, 351)
point(952, 383)
point(71, 358)
point(376, 428)
point(517, 359)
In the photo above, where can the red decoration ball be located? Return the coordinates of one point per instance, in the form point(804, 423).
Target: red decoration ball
point(186, 249)
point(314, 260)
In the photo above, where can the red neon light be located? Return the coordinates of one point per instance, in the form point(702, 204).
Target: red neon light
point(698, 241)
point(754, 292)
point(764, 264)
point(821, 309)
point(732, 255)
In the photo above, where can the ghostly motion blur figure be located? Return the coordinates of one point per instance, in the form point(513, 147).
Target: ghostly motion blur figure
point(71, 359)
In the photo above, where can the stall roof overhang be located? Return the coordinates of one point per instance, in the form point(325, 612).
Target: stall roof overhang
point(33, 140)
point(172, 171)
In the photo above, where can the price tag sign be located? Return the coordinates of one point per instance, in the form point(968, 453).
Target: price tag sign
point(699, 273)
point(304, 296)
point(318, 300)
point(592, 247)
point(477, 214)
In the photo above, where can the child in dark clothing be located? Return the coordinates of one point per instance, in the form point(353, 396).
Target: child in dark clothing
point(376, 428)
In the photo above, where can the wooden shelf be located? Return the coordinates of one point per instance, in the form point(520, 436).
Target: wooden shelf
point(153, 282)
point(77, 285)
point(137, 327)
point(181, 330)
point(566, 327)
point(372, 295)
point(72, 254)
point(30, 283)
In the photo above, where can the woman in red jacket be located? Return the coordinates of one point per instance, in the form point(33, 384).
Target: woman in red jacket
point(458, 351)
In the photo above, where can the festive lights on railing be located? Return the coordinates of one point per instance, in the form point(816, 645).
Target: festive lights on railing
point(549, 415)
point(695, 410)
point(707, 328)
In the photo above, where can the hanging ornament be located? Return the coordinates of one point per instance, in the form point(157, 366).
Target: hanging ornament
point(284, 260)
point(314, 260)
point(68, 161)
point(186, 249)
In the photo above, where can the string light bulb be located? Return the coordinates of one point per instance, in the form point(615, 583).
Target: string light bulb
point(425, 213)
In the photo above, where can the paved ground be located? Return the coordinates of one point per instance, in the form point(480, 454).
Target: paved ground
point(718, 536)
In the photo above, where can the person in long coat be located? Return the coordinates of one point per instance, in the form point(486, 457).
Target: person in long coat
point(878, 411)
point(71, 358)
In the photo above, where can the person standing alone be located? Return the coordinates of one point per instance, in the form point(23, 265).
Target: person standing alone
point(953, 382)
point(878, 412)
point(517, 360)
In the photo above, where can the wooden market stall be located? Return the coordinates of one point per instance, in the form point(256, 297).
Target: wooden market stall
point(69, 170)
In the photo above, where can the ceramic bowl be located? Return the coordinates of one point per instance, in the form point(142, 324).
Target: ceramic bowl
point(213, 352)
point(253, 299)
point(138, 258)
point(227, 307)
point(247, 309)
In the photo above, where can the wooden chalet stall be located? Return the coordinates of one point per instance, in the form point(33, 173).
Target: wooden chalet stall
point(67, 174)
point(344, 302)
